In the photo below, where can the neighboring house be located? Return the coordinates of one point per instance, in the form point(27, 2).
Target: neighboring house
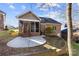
point(2, 18)
point(31, 25)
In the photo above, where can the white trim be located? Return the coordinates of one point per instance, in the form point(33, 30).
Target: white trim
point(29, 20)
point(4, 20)
point(2, 14)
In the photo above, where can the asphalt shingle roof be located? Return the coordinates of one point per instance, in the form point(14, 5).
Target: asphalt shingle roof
point(48, 20)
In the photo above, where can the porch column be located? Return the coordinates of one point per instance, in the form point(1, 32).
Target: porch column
point(29, 28)
point(23, 27)
point(21, 23)
point(39, 28)
point(4, 18)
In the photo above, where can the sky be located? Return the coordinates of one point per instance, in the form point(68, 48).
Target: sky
point(57, 11)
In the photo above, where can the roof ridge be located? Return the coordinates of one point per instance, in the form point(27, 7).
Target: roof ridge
point(45, 17)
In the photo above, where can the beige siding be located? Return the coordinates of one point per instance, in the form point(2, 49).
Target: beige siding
point(42, 28)
point(29, 17)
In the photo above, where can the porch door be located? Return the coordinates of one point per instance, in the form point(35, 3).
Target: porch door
point(26, 29)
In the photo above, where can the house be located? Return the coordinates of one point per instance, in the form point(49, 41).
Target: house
point(31, 25)
point(2, 18)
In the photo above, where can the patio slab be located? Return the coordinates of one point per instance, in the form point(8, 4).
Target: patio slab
point(23, 42)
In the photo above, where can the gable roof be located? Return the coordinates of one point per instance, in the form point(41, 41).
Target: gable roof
point(48, 20)
point(1, 12)
point(28, 13)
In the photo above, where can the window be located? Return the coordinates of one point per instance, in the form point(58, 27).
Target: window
point(53, 28)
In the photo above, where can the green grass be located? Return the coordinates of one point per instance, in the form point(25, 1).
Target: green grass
point(75, 49)
point(5, 35)
point(76, 45)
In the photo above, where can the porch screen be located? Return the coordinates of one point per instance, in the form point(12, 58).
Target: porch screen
point(34, 26)
point(37, 26)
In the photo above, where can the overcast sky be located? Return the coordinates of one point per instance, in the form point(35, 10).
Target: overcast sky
point(55, 11)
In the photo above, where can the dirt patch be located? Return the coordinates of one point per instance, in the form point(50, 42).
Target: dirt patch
point(55, 41)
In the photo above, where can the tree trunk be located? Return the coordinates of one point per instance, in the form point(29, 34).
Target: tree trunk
point(69, 26)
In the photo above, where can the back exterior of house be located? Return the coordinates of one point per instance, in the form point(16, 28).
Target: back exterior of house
point(32, 25)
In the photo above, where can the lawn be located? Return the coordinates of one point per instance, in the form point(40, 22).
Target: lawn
point(5, 36)
point(6, 51)
point(75, 49)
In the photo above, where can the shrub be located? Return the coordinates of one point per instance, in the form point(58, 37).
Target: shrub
point(13, 33)
point(48, 30)
point(6, 28)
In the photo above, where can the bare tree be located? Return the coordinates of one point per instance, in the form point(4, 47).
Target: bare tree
point(69, 26)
